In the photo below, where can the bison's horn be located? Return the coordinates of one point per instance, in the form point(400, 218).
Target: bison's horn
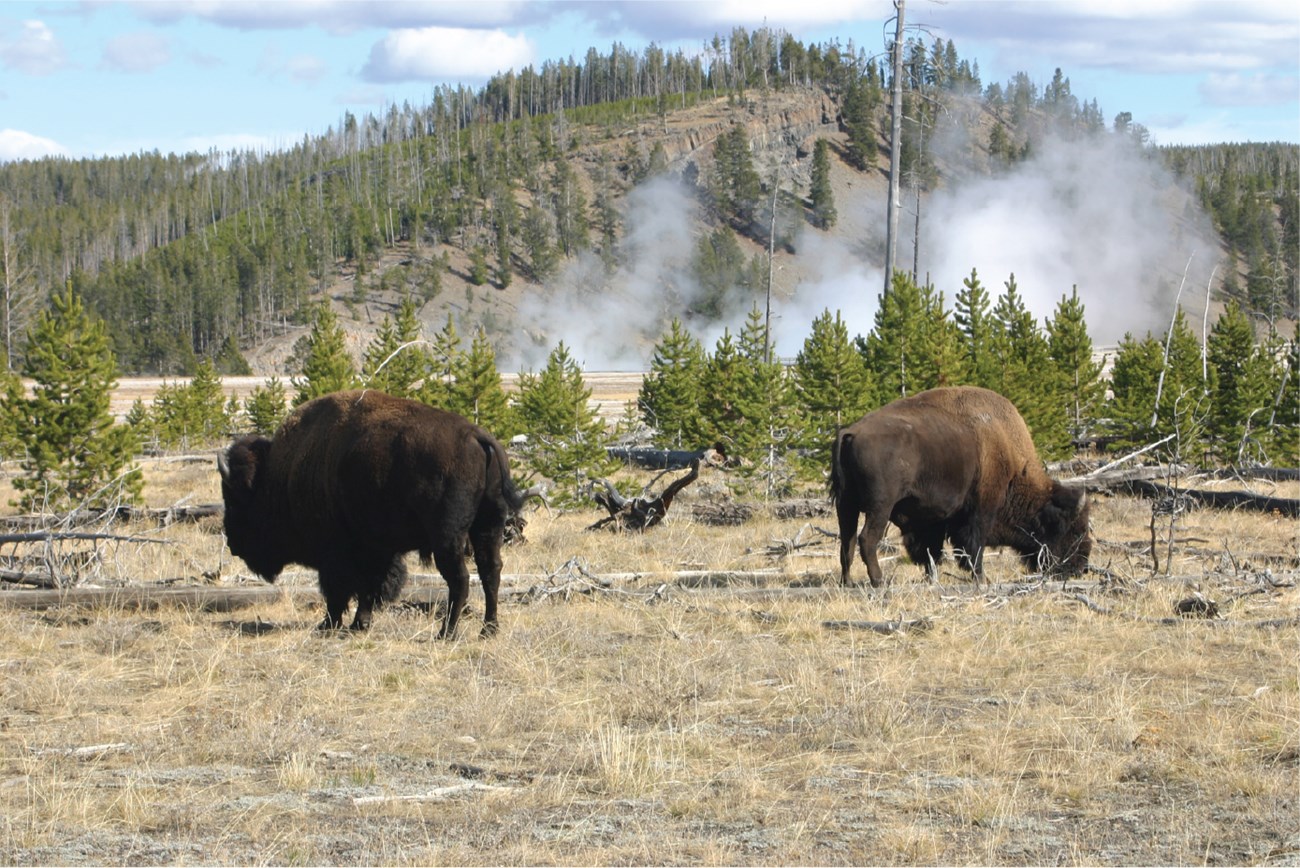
point(223, 465)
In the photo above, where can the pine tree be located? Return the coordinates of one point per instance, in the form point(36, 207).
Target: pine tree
point(1070, 348)
point(820, 192)
point(1146, 369)
point(446, 363)
point(915, 345)
point(1133, 378)
point(670, 394)
point(328, 367)
point(719, 386)
point(75, 456)
point(478, 265)
point(265, 407)
point(972, 315)
point(396, 360)
point(537, 241)
point(1240, 403)
point(11, 396)
point(1026, 375)
point(566, 438)
point(719, 268)
point(569, 204)
point(191, 415)
point(1286, 419)
point(831, 384)
point(736, 185)
point(858, 112)
point(477, 393)
point(762, 398)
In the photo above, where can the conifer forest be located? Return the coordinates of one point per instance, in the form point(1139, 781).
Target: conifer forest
point(188, 265)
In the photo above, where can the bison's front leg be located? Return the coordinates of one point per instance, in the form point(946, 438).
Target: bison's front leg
point(924, 547)
point(336, 602)
point(389, 589)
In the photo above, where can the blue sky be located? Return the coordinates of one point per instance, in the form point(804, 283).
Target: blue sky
point(95, 78)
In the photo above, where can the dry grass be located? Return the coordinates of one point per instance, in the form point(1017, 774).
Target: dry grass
point(707, 725)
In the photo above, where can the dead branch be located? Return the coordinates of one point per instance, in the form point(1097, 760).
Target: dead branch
point(640, 513)
point(1188, 611)
point(783, 548)
point(885, 628)
point(61, 536)
point(439, 794)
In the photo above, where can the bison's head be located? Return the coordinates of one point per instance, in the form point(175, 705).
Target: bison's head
point(1065, 535)
point(249, 530)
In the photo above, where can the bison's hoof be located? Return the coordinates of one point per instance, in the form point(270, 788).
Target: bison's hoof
point(489, 629)
point(359, 626)
point(328, 625)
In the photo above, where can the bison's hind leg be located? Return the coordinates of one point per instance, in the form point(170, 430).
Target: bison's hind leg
point(450, 561)
point(487, 557)
point(848, 514)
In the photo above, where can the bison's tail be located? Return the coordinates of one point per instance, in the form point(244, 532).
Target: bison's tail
point(838, 445)
point(498, 468)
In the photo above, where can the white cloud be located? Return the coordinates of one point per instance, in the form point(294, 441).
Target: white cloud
point(346, 16)
point(143, 51)
point(18, 145)
point(1233, 89)
point(34, 49)
point(302, 68)
point(1161, 37)
point(440, 53)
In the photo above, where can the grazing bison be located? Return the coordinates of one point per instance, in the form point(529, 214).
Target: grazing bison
point(955, 463)
point(352, 482)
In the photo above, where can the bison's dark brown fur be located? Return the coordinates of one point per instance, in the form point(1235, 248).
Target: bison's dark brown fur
point(352, 482)
point(957, 464)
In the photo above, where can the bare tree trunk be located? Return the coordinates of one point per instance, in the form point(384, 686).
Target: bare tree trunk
point(895, 147)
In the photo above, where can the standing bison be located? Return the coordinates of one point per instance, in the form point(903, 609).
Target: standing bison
point(352, 482)
point(955, 463)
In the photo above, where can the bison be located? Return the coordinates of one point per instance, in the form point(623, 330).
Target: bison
point(955, 463)
point(351, 482)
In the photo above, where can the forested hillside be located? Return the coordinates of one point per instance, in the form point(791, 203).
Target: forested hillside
point(475, 202)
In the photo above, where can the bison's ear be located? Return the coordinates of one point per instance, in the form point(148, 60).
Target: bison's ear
point(239, 464)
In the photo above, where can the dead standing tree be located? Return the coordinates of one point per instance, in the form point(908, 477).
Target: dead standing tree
point(639, 513)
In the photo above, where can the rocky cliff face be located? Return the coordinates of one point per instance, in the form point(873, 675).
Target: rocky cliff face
point(781, 127)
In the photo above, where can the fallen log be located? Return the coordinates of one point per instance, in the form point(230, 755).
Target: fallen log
point(657, 459)
point(161, 516)
point(1289, 507)
point(640, 513)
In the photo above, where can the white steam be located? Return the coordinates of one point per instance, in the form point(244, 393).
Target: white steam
point(1095, 213)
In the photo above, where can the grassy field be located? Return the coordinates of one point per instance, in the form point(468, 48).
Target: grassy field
point(649, 719)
